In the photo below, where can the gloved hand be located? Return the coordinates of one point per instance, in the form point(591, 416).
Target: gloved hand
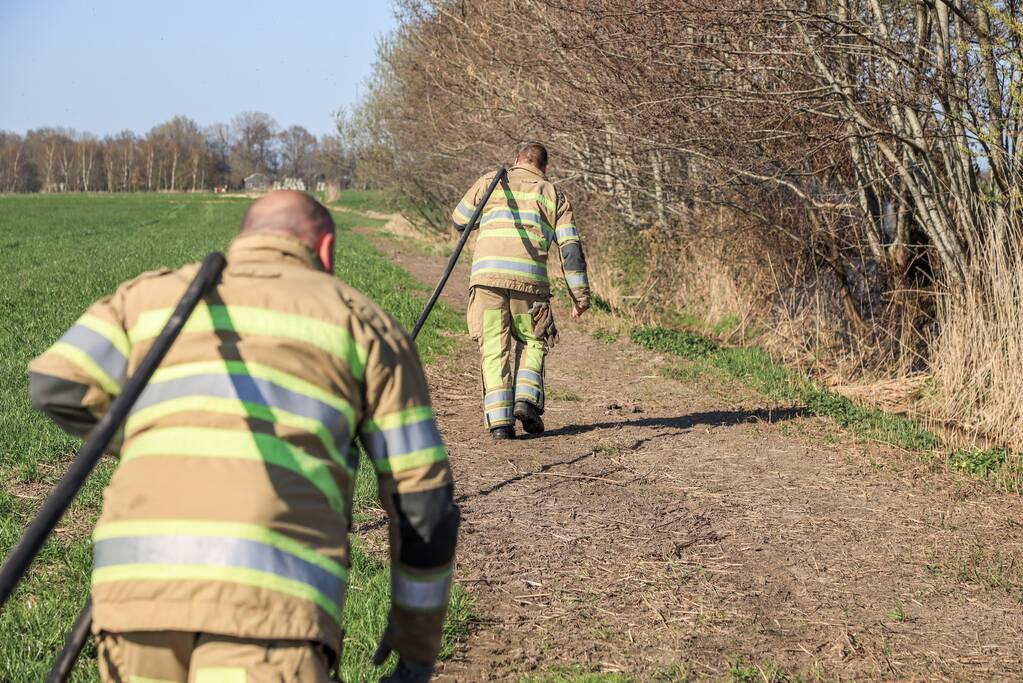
point(406, 672)
point(580, 307)
point(544, 328)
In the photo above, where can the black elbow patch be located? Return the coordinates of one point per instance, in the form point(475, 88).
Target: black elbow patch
point(61, 401)
point(428, 525)
point(572, 258)
point(459, 227)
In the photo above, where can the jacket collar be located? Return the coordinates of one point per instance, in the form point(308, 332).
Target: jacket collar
point(268, 247)
point(531, 169)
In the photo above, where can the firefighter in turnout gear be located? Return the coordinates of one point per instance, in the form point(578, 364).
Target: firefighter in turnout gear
point(222, 551)
point(509, 310)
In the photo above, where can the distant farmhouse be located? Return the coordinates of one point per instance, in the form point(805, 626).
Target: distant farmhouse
point(290, 184)
point(261, 182)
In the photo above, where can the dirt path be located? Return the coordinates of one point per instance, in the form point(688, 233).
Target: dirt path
point(669, 529)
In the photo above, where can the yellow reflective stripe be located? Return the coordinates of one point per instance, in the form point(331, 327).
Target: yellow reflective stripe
point(329, 337)
point(220, 674)
point(251, 532)
point(514, 259)
point(202, 572)
point(87, 365)
point(486, 233)
point(205, 442)
point(398, 419)
point(235, 407)
point(410, 461)
point(529, 196)
point(147, 679)
point(238, 367)
point(112, 333)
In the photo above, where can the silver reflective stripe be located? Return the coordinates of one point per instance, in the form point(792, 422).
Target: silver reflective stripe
point(576, 279)
point(527, 391)
point(396, 441)
point(529, 376)
point(497, 396)
point(100, 350)
point(538, 269)
point(464, 210)
point(419, 595)
point(567, 232)
point(500, 415)
point(250, 389)
point(216, 551)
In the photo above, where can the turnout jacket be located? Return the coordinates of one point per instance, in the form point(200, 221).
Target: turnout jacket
point(230, 508)
point(524, 217)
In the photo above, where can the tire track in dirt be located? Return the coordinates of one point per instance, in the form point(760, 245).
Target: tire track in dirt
point(666, 529)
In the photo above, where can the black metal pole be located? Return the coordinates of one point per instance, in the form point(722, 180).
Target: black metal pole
point(501, 172)
point(73, 645)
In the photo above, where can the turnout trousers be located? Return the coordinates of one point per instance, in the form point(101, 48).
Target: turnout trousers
point(181, 657)
point(501, 322)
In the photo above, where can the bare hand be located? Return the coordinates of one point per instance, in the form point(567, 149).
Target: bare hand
point(578, 310)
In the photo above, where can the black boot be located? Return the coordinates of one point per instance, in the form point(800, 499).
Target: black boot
point(527, 413)
point(503, 433)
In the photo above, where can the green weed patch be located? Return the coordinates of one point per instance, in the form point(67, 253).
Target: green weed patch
point(978, 463)
point(685, 344)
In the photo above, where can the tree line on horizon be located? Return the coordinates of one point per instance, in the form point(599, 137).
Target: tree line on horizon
point(177, 155)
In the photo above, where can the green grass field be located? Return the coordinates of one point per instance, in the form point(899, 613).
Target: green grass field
point(58, 254)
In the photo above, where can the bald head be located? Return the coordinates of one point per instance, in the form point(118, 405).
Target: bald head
point(291, 213)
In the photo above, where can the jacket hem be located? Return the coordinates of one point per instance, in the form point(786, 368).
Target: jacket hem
point(227, 620)
point(540, 290)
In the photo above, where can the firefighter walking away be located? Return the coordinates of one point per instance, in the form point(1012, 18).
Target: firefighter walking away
point(509, 311)
point(222, 552)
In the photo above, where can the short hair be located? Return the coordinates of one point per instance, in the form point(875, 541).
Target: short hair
point(534, 153)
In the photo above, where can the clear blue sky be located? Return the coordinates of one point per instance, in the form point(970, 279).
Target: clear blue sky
point(104, 66)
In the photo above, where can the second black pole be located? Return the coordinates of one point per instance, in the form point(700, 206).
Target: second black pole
point(498, 177)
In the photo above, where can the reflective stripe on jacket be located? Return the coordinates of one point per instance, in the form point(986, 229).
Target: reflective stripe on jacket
point(525, 215)
point(230, 508)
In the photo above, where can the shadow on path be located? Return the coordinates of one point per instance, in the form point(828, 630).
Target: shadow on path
point(520, 477)
point(712, 418)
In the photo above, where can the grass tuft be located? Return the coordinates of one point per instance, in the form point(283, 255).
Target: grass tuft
point(555, 394)
point(740, 672)
point(574, 674)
